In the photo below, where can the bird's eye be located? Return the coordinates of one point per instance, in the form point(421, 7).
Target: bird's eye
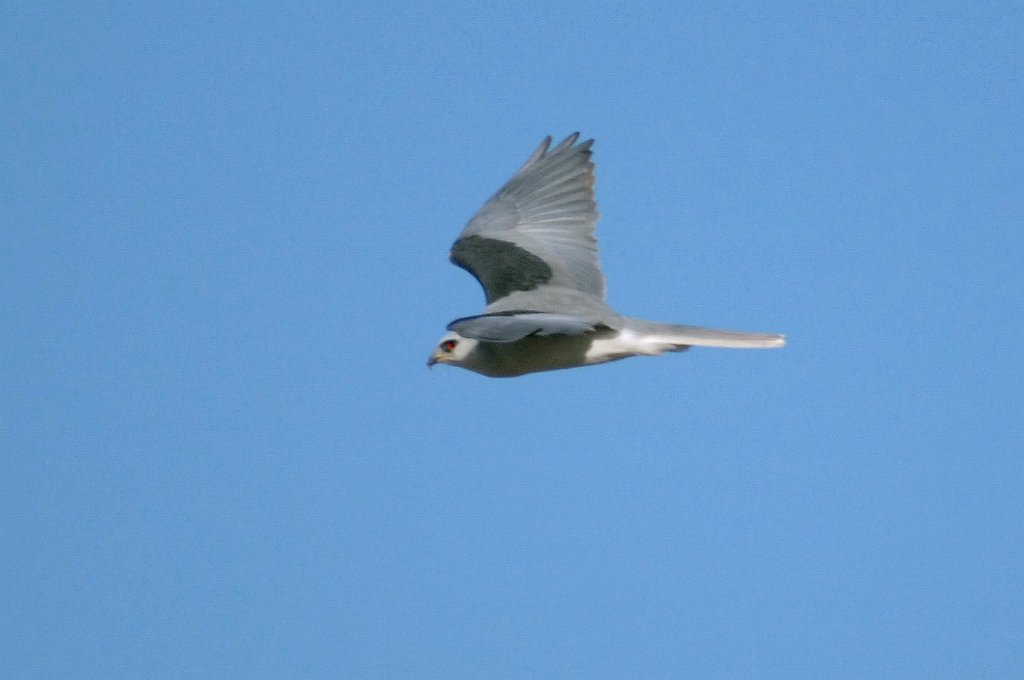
point(448, 345)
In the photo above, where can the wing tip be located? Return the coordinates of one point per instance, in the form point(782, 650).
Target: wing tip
point(544, 153)
point(545, 150)
point(565, 143)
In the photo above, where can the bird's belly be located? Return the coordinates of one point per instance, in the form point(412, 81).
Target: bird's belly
point(535, 353)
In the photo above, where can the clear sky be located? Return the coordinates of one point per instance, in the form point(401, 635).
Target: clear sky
point(224, 265)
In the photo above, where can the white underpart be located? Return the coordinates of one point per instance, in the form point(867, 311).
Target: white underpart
point(628, 343)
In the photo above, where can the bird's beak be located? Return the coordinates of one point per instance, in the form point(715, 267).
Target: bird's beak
point(432, 360)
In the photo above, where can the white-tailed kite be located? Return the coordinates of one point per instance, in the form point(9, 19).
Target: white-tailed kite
point(533, 250)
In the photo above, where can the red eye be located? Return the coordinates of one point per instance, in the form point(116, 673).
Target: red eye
point(448, 345)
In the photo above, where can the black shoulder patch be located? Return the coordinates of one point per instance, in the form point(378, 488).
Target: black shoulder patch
point(501, 267)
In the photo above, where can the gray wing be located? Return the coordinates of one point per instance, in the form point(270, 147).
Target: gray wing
point(512, 326)
point(538, 229)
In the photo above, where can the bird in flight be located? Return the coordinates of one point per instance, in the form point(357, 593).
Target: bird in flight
point(532, 248)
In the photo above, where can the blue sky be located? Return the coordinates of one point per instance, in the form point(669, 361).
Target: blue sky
point(224, 267)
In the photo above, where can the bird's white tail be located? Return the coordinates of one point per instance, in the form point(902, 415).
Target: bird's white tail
point(681, 337)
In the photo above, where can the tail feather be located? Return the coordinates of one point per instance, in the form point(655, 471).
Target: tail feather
point(681, 337)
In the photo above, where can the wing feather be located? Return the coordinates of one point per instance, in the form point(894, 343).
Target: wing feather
point(512, 326)
point(538, 229)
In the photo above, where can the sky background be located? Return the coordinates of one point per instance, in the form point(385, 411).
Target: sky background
point(224, 265)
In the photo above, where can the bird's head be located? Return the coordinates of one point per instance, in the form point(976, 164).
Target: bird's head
point(452, 349)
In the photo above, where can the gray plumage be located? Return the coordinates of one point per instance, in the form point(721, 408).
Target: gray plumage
point(532, 248)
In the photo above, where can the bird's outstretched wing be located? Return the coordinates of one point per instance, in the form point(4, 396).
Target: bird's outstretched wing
point(512, 326)
point(538, 229)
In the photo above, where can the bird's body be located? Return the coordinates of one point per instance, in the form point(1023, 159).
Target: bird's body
point(533, 250)
point(533, 354)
